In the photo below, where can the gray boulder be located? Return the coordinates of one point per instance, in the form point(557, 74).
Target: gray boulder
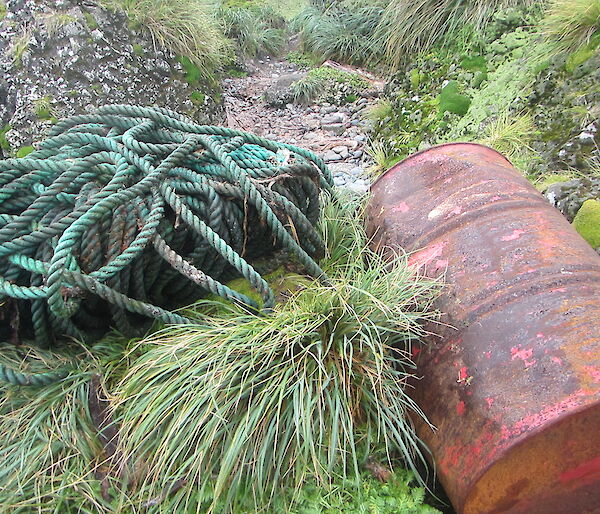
point(281, 92)
point(568, 196)
point(66, 57)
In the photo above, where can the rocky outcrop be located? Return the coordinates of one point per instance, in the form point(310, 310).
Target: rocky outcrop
point(65, 57)
point(569, 196)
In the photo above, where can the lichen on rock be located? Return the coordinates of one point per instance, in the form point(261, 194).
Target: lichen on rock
point(64, 57)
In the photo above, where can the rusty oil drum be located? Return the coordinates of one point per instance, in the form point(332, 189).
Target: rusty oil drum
point(511, 379)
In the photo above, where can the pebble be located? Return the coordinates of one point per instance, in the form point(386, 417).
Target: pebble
point(335, 128)
point(330, 155)
point(332, 118)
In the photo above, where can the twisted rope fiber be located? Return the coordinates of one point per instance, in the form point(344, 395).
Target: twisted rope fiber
point(126, 213)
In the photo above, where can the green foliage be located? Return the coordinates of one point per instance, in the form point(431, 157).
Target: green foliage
point(19, 46)
point(452, 100)
point(237, 410)
point(512, 135)
point(138, 49)
point(54, 22)
point(193, 74)
point(242, 405)
point(570, 25)
point(90, 21)
point(24, 151)
point(392, 497)
point(2, 10)
point(198, 98)
point(48, 441)
point(4, 144)
point(343, 32)
point(384, 156)
point(408, 27)
point(43, 108)
point(186, 27)
point(587, 222)
point(329, 84)
point(302, 60)
point(256, 28)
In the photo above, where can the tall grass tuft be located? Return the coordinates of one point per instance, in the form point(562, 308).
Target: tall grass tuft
point(571, 24)
point(411, 26)
point(49, 446)
point(257, 29)
point(341, 32)
point(186, 27)
point(240, 405)
point(511, 134)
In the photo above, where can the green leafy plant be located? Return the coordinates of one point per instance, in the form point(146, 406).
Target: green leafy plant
point(186, 27)
point(242, 405)
point(302, 60)
point(570, 25)
point(452, 100)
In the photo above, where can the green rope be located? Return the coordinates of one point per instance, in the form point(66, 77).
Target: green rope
point(126, 213)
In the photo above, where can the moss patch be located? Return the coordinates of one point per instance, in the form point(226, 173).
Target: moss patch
point(2, 10)
point(24, 151)
point(90, 21)
point(4, 144)
point(587, 222)
point(282, 282)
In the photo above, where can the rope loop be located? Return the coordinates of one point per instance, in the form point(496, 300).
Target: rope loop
point(127, 213)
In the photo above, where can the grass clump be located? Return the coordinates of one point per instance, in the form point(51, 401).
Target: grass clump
point(328, 84)
point(240, 405)
point(235, 413)
point(257, 29)
point(570, 25)
point(511, 135)
point(342, 32)
point(409, 27)
point(186, 27)
point(53, 459)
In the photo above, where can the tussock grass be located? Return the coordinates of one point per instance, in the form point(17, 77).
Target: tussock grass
point(186, 27)
point(256, 29)
point(48, 444)
point(341, 32)
point(411, 26)
point(510, 135)
point(571, 24)
point(240, 405)
point(235, 411)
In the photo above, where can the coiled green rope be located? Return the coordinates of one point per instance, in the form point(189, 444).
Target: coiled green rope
point(130, 211)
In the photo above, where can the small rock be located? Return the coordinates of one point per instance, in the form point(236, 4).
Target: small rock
point(331, 118)
point(586, 138)
point(335, 128)
point(357, 154)
point(360, 138)
point(357, 187)
point(339, 149)
point(330, 155)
